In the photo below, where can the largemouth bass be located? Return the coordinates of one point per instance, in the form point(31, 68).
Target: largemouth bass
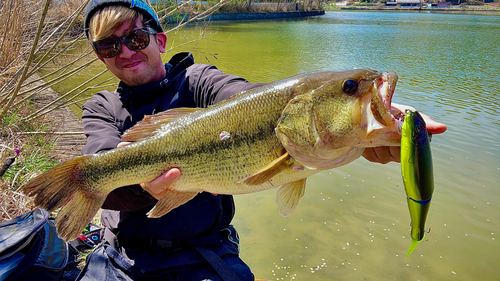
point(275, 135)
point(417, 172)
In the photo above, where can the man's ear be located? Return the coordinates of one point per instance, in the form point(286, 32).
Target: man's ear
point(161, 38)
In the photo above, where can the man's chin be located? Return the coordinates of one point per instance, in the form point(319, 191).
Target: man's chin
point(136, 77)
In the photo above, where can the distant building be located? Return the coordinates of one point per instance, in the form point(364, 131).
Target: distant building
point(405, 3)
point(440, 5)
point(443, 4)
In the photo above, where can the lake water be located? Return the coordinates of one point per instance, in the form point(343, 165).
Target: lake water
point(353, 222)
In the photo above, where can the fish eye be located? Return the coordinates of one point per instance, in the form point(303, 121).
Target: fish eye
point(350, 86)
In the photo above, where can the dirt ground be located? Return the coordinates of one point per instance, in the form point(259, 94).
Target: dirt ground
point(63, 121)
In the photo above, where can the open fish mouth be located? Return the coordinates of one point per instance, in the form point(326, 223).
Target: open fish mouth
point(383, 109)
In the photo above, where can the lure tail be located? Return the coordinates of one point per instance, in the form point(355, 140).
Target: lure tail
point(413, 245)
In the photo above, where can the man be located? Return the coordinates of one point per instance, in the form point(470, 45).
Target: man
point(194, 241)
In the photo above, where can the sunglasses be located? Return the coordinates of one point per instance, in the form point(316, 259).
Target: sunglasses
point(135, 40)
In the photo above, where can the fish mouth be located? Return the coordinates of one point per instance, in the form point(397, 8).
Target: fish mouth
point(383, 109)
point(383, 118)
point(381, 99)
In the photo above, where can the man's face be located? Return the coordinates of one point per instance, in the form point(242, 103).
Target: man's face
point(136, 68)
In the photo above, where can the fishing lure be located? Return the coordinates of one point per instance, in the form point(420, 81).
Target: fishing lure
point(8, 162)
point(417, 172)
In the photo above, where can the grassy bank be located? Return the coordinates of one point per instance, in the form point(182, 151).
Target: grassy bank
point(237, 6)
point(35, 156)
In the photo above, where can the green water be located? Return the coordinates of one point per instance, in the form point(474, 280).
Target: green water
point(353, 222)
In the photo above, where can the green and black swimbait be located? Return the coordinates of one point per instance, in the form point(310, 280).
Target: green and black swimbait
point(417, 172)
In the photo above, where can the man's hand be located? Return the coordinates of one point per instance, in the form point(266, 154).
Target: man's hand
point(158, 186)
point(386, 154)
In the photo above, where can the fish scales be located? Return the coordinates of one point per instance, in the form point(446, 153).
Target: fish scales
point(254, 141)
point(208, 156)
point(207, 163)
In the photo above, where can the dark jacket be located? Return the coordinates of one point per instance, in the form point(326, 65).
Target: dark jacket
point(108, 114)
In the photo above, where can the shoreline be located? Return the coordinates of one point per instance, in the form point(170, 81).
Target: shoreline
point(248, 16)
point(427, 9)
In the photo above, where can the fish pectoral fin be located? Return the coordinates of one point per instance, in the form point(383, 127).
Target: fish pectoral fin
point(171, 199)
point(147, 126)
point(288, 196)
point(269, 171)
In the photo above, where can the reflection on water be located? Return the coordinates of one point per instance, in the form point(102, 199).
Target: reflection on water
point(353, 222)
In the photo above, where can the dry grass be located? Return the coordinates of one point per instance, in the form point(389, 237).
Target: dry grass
point(17, 19)
point(19, 27)
point(34, 157)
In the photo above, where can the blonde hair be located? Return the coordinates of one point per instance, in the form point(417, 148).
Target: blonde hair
point(104, 22)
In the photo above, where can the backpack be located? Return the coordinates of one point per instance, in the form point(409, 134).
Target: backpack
point(31, 250)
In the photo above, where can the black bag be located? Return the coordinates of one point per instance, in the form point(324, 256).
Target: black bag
point(31, 250)
point(90, 237)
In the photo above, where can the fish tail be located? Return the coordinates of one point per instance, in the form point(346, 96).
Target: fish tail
point(79, 211)
point(65, 185)
point(55, 187)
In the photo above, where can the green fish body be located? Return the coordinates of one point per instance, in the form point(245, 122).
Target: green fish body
point(417, 172)
point(272, 136)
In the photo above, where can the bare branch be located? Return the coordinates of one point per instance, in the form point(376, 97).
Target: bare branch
point(43, 110)
point(28, 62)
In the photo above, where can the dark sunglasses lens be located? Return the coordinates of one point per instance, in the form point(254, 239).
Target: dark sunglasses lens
point(108, 48)
point(137, 39)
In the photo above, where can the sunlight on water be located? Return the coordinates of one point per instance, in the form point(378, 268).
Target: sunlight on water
point(353, 222)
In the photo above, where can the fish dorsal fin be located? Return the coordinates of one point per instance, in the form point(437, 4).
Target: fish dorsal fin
point(147, 126)
point(269, 171)
point(288, 196)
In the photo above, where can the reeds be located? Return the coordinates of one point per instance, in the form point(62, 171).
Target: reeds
point(44, 36)
point(32, 33)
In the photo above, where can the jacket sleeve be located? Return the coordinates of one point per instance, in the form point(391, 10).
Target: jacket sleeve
point(99, 124)
point(100, 127)
point(210, 85)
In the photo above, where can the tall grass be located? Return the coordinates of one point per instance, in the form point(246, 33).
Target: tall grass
point(31, 34)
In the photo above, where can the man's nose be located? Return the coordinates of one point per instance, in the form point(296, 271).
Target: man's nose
point(125, 52)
